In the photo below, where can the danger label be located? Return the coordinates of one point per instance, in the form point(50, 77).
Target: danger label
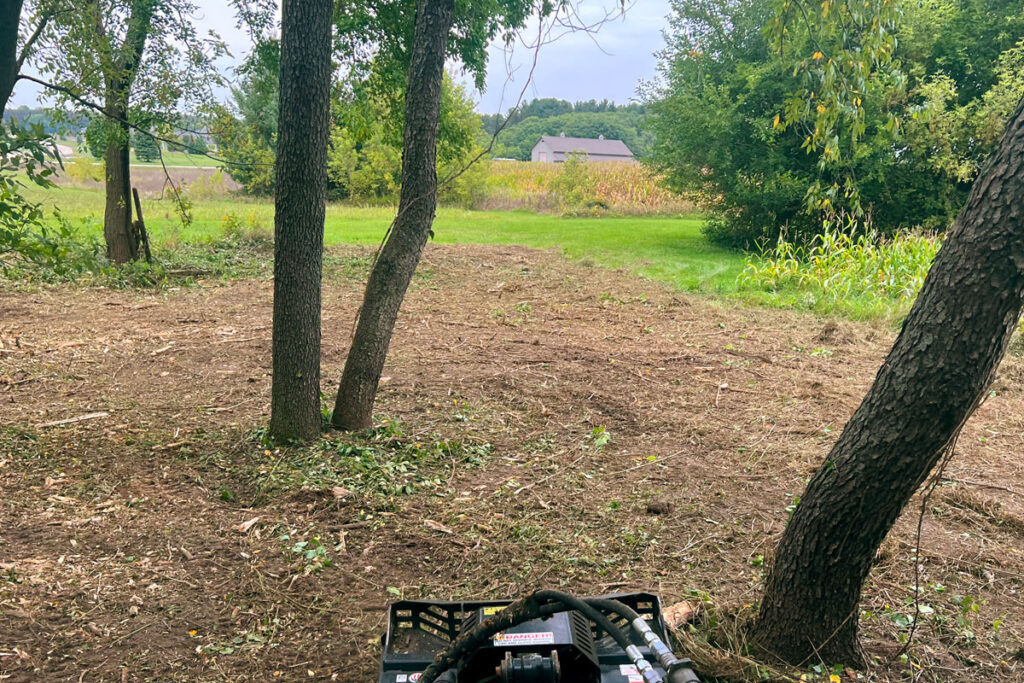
point(538, 638)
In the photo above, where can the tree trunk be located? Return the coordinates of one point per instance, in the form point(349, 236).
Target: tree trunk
point(397, 262)
point(122, 244)
point(933, 378)
point(10, 16)
point(299, 205)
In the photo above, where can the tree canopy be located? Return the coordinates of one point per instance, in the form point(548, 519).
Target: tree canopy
point(777, 128)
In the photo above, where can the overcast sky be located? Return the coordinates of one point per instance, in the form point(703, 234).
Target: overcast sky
point(608, 64)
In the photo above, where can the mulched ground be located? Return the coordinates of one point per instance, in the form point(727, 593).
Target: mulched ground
point(128, 550)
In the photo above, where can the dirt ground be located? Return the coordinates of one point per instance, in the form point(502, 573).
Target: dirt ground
point(128, 550)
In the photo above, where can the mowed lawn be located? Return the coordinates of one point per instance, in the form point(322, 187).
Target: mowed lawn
point(668, 249)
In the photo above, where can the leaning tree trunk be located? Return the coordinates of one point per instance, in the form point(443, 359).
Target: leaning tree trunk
point(397, 261)
point(10, 15)
point(933, 378)
point(299, 205)
point(122, 243)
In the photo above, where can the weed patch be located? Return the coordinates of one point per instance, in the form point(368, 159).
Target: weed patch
point(378, 464)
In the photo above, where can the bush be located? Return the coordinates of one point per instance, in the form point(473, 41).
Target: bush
point(574, 186)
point(82, 170)
point(207, 186)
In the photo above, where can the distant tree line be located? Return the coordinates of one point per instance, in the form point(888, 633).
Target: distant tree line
point(64, 123)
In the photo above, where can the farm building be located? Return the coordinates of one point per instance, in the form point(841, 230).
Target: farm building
point(551, 148)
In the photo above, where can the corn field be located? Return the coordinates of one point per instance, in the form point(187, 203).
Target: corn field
point(838, 266)
point(624, 188)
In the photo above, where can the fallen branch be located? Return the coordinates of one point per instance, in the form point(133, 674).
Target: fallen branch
point(72, 420)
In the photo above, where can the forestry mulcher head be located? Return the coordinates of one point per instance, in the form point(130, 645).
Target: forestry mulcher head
point(546, 637)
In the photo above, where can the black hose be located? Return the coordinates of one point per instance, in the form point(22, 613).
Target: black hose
point(588, 611)
point(539, 604)
point(614, 606)
point(521, 610)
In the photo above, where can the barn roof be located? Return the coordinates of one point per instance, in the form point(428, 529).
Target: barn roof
point(557, 143)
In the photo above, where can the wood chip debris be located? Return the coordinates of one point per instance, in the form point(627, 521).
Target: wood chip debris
point(244, 527)
point(437, 526)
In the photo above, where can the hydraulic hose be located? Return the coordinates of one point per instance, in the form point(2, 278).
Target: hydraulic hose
point(521, 610)
point(679, 670)
point(534, 606)
point(643, 667)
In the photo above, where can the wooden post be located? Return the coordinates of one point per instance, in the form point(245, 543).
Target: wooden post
point(140, 226)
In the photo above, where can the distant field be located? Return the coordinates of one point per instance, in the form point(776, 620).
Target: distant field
point(670, 249)
point(625, 188)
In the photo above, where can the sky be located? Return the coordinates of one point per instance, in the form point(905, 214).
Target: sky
point(608, 64)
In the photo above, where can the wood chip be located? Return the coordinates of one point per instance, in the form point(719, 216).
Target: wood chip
point(340, 492)
point(244, 527)
point(170, 446)
point(437, 526)
point(680, 613)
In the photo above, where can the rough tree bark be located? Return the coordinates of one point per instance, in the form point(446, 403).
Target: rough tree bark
point(122, 242)
point(394, 268)
point(10, 15)
point(930, 383)
point(299, 204)
point(122, 245)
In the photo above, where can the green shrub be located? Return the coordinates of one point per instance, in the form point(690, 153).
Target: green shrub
point(575, 186)
point(82, 170)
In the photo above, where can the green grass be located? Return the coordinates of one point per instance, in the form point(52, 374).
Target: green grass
point(668, 249)
point(179, 159)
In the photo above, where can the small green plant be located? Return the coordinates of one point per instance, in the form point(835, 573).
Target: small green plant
point(597, 439)
point(312, 554)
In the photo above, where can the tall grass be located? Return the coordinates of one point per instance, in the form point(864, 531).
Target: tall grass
point(839, 270)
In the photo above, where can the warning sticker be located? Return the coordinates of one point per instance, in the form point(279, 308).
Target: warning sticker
point(489, 611)
point(631, 673)
point(538, 638)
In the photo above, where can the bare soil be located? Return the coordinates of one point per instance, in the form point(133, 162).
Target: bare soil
point(128, 550)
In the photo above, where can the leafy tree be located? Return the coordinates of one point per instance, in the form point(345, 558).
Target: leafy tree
point(96, 137)
point(249, 140)
point(370, 132)
point(20, 30)
point(146, 148)
point(774, 121)
point(140, 58)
